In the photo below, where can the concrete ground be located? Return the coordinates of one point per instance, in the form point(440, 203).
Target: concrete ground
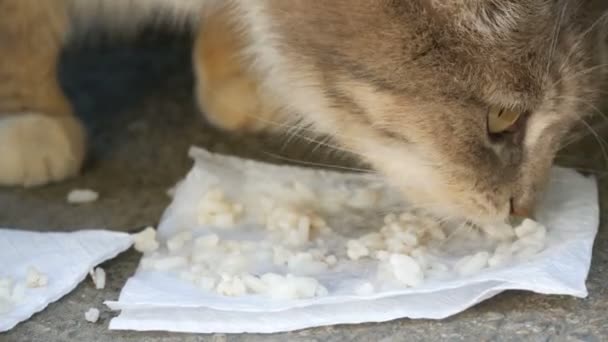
point(136, 101)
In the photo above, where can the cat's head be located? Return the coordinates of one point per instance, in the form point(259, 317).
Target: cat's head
point(463, 104)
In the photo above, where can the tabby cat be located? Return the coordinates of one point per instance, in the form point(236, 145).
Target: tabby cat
point(461, 104)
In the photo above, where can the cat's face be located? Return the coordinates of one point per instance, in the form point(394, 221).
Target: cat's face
point(462, 104)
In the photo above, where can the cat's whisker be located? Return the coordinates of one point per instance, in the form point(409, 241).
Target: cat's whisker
point(602, 143)
point(555, 38)
point(564, 157)
point(332, 150)
point(429, 207)
point(436, 210)
point(301, 126)
point(587, 103)
point(322, 143)
point(578, 136)
point(317, 164)
point(581, 73)
point(284, 125)
point(580, 38)
point(331, 147)
point(575, 47)
point(465, 226)
point(589, 127)
point(293, 132)
point(326, 143)
point(572, 139)
point(224, 101)
point(591, 27)
point(291, 127)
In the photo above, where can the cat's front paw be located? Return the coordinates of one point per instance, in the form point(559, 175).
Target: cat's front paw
point(37, 149)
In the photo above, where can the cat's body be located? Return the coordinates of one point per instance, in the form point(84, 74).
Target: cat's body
point(461, 104)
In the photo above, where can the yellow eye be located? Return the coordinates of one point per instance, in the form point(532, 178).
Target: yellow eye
point(500, 120)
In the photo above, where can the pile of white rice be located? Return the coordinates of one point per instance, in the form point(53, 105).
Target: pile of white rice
point(300, 246)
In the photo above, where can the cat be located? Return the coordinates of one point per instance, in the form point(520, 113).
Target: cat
point(461, 105)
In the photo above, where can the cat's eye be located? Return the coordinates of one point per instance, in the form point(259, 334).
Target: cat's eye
point(501, 120)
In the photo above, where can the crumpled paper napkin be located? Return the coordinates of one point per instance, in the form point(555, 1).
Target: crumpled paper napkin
point(152, 301)
point(65, 258)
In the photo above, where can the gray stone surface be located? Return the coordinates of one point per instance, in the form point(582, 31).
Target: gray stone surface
point(137, 103)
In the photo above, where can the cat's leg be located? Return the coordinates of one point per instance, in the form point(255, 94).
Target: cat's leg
point(40, 139)
point(227, 90)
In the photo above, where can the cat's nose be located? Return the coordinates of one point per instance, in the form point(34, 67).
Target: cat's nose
point(522, 210)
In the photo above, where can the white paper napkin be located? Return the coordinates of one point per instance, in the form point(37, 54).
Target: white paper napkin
point(65, 258)
point(161, 301)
